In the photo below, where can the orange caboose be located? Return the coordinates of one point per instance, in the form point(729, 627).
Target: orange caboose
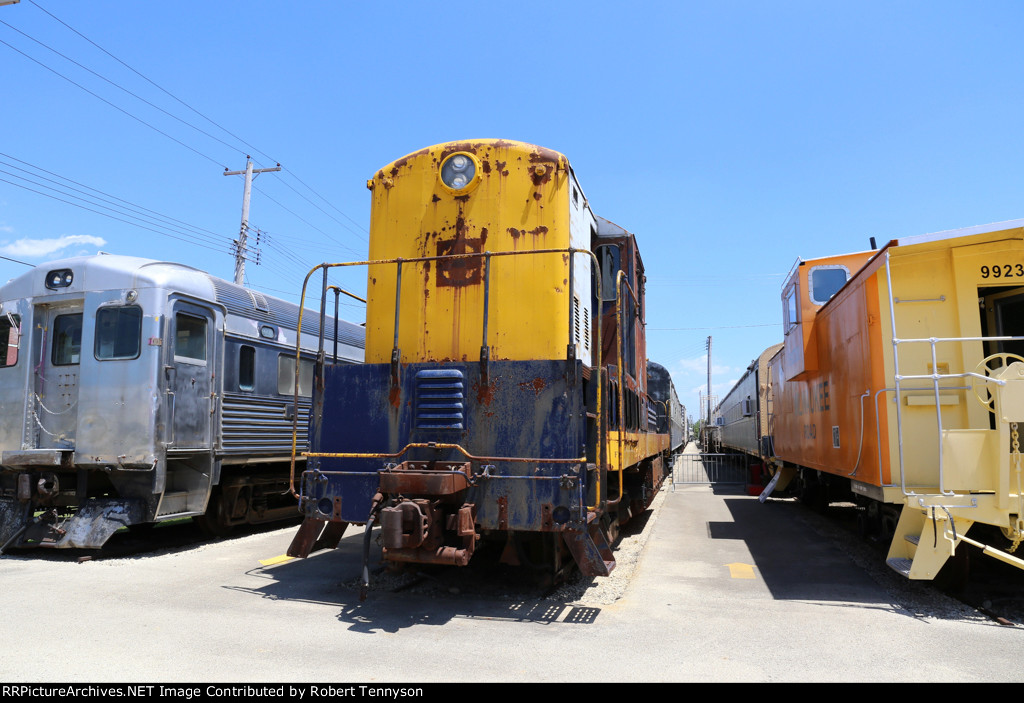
point(900, 386)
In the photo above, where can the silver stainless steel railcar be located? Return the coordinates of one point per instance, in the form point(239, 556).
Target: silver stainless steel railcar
point(136, 391)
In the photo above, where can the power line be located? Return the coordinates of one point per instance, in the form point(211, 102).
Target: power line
point(252, 148)
point(119, 109)
point(210, 235)
point(185, 122)
point(723, 327)
point(120, 87)
point(294, 214)
point(7, 258)
point(135, 224)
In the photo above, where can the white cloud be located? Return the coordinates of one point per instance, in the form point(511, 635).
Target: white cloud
point(47, 247)
point(700, 366)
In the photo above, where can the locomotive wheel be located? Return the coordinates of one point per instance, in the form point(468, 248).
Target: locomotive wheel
point(988, 399)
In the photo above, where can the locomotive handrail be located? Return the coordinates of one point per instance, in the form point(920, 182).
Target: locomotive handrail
point(436, 445)
point(596, 352)
point(620, 280)
point(337, 293)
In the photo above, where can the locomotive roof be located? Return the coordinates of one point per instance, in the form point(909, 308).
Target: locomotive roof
point(111, 271)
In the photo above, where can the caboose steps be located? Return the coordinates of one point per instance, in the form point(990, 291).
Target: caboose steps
point(918, 558)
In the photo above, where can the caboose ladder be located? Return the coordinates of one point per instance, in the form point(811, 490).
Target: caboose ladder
point(924, 540)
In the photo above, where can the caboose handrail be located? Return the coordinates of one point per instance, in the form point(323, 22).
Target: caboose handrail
point(934, 377)
point(596, 348)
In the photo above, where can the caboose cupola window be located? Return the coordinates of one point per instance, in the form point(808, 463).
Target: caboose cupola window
point(825, 281)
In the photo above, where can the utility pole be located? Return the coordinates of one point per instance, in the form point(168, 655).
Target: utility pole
point(709, 381)
point(240, 248)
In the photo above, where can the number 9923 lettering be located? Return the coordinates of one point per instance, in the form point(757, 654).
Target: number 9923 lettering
point(1002, 271)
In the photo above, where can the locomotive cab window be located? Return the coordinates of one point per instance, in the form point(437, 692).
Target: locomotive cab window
point(118, 333)
point(608, 256)
point(825, 281)
point(10, 337)
point(189, 339)
point(67, 340)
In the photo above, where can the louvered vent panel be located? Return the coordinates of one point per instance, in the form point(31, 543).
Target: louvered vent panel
point(576, 319)
point(440, 399)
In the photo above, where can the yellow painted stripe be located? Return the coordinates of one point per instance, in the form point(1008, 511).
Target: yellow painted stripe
point(741, 571)
point(276, 560)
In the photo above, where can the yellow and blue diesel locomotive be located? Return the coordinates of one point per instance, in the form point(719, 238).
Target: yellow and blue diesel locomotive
point(504, 395)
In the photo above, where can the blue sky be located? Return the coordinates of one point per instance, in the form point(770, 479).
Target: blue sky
point(731, 137)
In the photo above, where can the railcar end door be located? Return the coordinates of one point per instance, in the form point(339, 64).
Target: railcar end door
point(189, 370)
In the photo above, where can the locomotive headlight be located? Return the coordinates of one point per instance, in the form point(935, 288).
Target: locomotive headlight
point(458, 171)
point(60, 278)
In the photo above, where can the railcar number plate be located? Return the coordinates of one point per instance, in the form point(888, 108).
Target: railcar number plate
point(1003, 271)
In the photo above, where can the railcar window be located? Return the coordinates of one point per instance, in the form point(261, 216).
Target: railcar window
point(246, 368)
point(189, 338)
point(118, 333)
point(286, 376)
point(67, 340)
point(10, 337)
point(826, 282)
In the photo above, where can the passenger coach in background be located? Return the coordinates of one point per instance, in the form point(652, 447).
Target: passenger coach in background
point(505, 397)
point(670, 413)
point(137, 391)
point(900, 386)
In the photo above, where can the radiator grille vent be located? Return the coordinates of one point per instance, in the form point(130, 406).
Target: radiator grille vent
point(440, 399)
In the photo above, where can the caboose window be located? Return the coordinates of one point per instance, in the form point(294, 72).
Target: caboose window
point(790, 310)
point(286, 376)
point(118, 333)
point(826, 281)
point(189, 338)
point(67, 340)
point(10, 336)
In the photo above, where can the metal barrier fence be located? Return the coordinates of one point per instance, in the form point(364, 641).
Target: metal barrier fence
point(717, 469)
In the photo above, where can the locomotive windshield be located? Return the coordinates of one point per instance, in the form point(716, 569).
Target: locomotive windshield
point(118, 332)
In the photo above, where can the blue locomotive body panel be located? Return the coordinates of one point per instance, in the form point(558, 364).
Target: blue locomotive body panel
point(523, 430)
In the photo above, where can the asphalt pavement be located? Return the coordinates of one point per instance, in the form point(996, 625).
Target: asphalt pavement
point(726, 589)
